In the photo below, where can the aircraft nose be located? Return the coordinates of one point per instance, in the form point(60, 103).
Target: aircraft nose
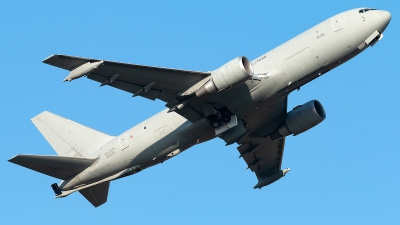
point(385, 19)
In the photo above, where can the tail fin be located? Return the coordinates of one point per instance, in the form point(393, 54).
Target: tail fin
point(55, 166)
point(69, 138)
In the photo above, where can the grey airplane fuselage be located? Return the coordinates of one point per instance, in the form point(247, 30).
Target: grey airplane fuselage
point(290, 65)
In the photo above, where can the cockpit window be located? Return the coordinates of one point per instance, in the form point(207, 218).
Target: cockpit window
point(365, 10)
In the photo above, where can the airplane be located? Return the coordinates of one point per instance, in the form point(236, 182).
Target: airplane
point(242, 102)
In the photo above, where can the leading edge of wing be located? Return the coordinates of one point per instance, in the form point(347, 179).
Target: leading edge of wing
point(71, 62)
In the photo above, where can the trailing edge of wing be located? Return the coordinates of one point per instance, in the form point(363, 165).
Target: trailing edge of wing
point(55, 166)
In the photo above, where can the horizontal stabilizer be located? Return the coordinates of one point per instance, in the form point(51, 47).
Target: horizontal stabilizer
point(55, 166)
point(97, 194)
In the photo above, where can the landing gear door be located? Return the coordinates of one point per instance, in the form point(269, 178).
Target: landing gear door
point(226, 126)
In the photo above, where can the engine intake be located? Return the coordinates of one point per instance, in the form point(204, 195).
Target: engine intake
point(232, 73)
point(300, 119)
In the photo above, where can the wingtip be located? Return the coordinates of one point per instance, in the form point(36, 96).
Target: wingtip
point(11, 159)
point(51, 56)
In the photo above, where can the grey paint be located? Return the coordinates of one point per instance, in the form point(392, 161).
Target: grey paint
point(60, 167)
point(260, 103)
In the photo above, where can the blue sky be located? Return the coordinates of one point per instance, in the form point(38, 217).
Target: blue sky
point(343, 170)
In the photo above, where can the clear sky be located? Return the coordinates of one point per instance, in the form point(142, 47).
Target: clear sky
point(343, 171)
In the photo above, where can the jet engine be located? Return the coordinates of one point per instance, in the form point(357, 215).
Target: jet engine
point(232, 73)
point(300, 119)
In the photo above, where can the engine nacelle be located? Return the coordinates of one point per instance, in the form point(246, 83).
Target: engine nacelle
point(232, 73)
point(300, 119)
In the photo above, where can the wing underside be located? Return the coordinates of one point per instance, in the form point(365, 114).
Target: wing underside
point(262, 155)
point(165, 84)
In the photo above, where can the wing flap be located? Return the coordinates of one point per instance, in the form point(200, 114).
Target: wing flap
point(97, 194)
point(133, 88)
point(55, 166)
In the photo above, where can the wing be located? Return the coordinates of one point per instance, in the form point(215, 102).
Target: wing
point(165, 84)
point(262, 155)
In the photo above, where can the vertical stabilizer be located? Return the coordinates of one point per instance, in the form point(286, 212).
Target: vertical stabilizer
point(67, 137)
